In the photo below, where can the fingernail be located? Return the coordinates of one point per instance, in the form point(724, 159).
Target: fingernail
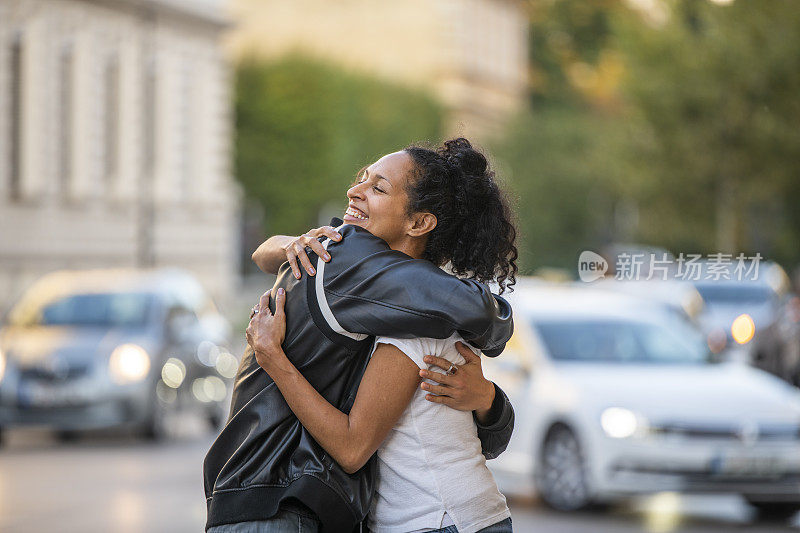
point(312, 271)
point(297, 276)
point(281, 291)
point(327, 257)
point(338, 236)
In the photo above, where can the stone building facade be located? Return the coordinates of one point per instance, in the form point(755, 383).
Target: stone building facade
point(471, 54)
point(115, 140)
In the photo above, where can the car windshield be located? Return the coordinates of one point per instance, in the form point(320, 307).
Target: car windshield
point(91, 309)
point(724, 293)
point(622, 341)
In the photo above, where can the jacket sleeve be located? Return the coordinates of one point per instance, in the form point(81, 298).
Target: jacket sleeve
point(496, 435)
point(385, 292)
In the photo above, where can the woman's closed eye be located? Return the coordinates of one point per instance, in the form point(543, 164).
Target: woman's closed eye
point(366, 178)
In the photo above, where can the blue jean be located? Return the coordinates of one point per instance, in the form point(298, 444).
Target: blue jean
point(291, 518)
point(503, 526)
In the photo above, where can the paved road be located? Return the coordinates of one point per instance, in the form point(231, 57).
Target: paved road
point(695, 514)
point(110, 484)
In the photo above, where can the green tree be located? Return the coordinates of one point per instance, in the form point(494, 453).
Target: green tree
point(567, 158)
point(304, 128)
point(686, 116)
point(717, 88)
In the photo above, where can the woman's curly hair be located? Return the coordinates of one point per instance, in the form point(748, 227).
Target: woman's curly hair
point(475, 232)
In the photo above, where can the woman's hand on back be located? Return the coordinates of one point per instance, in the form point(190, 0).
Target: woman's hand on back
point(295, 249)
point(466, 389)
point(272, 253)
point(266, 332)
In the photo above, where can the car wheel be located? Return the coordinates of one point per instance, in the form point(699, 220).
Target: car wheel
point(772, 510)
point(561, 472)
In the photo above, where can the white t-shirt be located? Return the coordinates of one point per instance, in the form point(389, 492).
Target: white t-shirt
point(430, 467)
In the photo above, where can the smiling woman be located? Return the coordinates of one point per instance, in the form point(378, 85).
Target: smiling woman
point(442, 205)
point(378, 202)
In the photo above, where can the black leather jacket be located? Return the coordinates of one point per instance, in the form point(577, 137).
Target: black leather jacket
point(264, 455)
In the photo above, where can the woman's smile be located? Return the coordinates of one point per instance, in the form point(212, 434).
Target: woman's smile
point(355, 213)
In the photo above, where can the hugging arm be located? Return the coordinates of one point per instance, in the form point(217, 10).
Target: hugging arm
point(407, 301)
point(392, 295)
point(387, 293)
point(375, 291)
point(278, 249)
point(387, 387)
point(496, 429)
point(469, 390)
point(412, 298)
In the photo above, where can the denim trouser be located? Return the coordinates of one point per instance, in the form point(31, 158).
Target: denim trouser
point(291, 518)
point(503, 526)
point(297, 519)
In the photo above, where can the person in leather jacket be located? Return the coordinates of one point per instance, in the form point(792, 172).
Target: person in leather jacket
point(264, 457)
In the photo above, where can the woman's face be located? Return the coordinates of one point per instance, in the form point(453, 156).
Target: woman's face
point(378, 201)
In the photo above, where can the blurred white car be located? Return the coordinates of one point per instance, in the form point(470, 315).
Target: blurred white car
point(617, 395)
point(680, 296)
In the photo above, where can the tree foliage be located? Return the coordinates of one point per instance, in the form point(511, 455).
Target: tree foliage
point(566, 158)
point(304, 128)
point(674, 126)
point(717, 87)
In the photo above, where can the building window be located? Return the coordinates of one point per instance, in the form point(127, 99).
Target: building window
point(15, 119)
point(65, 118)
point(110, 120)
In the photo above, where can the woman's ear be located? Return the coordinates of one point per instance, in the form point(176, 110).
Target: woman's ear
point(422, 223)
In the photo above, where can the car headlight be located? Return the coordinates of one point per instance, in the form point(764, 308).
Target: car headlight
point(743, 328)
point(128, 363)
point(2, 365)
point(620, 423)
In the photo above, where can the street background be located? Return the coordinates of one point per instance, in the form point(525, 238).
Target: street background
point(157, 143)
point(109, 484)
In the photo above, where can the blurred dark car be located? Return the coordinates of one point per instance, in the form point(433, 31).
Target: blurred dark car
point(778, 350)
point(110, 348)
point(749, 320)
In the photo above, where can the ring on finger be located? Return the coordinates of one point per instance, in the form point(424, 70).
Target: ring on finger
point(452, 370)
